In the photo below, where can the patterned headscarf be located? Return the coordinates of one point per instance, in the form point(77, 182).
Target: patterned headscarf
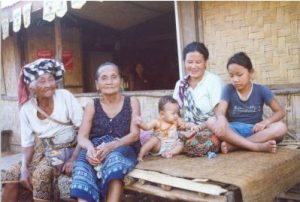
point(41, 66)
point(33, 71)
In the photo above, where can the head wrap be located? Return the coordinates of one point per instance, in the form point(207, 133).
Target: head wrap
point(41, 66)
point(33, 71)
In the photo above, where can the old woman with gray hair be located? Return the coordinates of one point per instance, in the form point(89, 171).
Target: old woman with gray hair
point(109, 140)
point(50, 116)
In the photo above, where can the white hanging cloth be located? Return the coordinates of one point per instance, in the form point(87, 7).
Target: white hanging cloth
point(49, 10)
point(5, 28)
point(26, 10)
point(77, 4)
point(17, 15)
point(61, 8)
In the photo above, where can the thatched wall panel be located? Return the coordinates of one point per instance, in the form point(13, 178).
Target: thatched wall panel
point(267, 31)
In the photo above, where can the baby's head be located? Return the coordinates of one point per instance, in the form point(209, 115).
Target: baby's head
point(168, 109)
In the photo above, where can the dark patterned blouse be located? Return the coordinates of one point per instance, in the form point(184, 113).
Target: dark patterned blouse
point(118, 126)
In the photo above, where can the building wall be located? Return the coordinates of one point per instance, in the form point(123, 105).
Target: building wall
point(11, 65)
point(268, 31)
point(43, 38)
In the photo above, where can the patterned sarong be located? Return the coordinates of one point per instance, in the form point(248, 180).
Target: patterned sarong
point(44, 188)
point(116, 165)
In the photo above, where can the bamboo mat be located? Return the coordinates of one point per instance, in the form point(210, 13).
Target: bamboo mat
point(260, 176)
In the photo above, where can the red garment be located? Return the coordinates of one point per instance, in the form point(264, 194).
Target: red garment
point(23, 91)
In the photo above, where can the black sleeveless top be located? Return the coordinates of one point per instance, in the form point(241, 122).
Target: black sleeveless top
point(117, 127)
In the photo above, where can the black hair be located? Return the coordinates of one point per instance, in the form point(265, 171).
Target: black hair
point(98, 72)
point(242, 59)
point(164, 100)
point(196, 47)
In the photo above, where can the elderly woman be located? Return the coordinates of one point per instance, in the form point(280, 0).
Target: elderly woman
point(199, 94)
point(109, 139)
point(50, 116)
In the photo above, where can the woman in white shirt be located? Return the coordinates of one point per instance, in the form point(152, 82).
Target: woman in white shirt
point(50, 116)
point(198, 93)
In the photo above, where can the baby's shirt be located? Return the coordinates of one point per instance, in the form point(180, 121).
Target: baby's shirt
point(168, 134)
point(249, 111)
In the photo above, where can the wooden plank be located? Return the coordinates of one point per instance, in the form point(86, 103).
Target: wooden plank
point(175, 194)
point(181, 183)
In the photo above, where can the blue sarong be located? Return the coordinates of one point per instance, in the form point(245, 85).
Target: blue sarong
point(116, 165)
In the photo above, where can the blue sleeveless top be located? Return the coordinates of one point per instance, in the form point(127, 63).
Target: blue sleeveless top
point(117, 127)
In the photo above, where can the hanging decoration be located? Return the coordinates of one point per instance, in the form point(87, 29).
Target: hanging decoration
point(5, 28)
point(49, 10)
point(61, 8)
point(77, 4)
point(26, 11)
point(17, 15)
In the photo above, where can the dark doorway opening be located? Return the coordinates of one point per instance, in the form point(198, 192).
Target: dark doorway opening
point(128, 33)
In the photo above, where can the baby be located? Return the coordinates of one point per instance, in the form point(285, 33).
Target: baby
point(165, 141)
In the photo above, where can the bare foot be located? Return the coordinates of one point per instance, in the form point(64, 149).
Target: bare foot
point(226, 147)
point(269, 146)
point(140, 158)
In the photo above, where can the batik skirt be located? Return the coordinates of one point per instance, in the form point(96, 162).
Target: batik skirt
point(201, 143)
point(43, 178)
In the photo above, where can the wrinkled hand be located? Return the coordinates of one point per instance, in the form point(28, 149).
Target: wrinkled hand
point(91, 156)
point(102, 151)
point(68, 167)
point(25, 178)
point(259, 126)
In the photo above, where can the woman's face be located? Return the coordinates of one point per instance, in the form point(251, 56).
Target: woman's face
point(109, 81)
point(45, 86)
point(195, 64)
point(139, 68)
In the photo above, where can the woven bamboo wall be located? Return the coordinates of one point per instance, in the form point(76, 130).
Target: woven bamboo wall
point(269, 32)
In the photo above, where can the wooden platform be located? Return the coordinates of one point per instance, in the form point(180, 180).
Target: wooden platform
point(247, 176)
point(175, 188)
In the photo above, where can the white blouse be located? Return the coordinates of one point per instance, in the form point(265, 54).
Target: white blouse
point(206, 94)
point(66, 109)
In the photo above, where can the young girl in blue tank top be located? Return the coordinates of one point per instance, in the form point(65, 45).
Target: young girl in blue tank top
point(242, 102)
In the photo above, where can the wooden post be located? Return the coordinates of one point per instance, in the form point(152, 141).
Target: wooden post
point(58, 44)
point(58, 39)
point(199, 21)
point(187, 27)
point(179, 39)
